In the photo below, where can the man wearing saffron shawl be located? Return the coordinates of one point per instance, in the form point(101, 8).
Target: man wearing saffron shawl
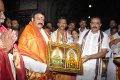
point(33, 44)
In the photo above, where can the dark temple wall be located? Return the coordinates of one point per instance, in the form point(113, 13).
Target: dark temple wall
point(72, 9)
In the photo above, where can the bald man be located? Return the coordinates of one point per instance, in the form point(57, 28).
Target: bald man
point(7, 39)
point(2, 16)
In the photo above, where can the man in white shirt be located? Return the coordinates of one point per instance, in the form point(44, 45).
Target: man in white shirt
point(116, 41)
point(71, 27)
point(94, 45)
point(60, 35)
point(111, 25)
point(83, 24)
point(115, 47)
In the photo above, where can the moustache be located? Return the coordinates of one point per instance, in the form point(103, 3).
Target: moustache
point(62, 26)
point(82, 26)
point(94, 27)
point(2, 20)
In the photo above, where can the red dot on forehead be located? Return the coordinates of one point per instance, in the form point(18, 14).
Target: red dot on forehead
point(41, 17)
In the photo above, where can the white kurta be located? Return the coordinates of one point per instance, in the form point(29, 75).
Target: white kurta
point(44, 35)
point(12, 65)
point(116, 35)
point(54, 37)
point(116, 46)
point(69, 38)
point(111, 71)
point(83, 32)
point(91, 47)
point(107, 31)
point(34, 65)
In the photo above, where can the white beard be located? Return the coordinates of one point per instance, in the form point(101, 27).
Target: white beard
point(1, 21)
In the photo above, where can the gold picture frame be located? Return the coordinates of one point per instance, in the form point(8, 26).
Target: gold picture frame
point(64, 58)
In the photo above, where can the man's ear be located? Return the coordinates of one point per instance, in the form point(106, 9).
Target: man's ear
point(90, 24)
point(100, 25)
point(57, 24)
point(32, 19)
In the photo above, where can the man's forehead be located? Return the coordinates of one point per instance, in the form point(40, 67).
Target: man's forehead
point(82, 21)
point(113, 21)
point(1, 5)
point(39, 15)
point(62, 20)
point(95, 20)
point(14, 21)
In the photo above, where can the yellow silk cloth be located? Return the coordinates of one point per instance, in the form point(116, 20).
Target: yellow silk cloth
point(62, 77)
point(38, 76)
point(31, 43)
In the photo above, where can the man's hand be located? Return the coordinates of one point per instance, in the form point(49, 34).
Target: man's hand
point(8, 39)
point(117, 40)
point(86, 58)
point(73, 44)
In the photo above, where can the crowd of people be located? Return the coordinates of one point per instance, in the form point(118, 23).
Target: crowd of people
point(23, 51)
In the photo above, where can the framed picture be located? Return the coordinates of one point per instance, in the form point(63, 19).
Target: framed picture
point(64, 58)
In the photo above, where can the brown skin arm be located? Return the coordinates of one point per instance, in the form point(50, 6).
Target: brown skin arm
point(114, 41)
point(100, 54)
